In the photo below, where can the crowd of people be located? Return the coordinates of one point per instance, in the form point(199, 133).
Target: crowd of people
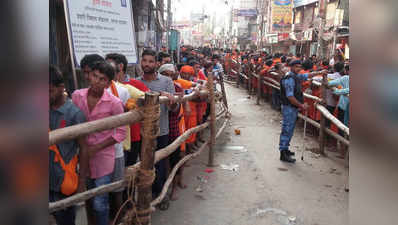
point(101, 158)
point(295, 75)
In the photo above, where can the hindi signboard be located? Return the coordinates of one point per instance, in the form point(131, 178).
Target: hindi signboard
point(247, 12)
point(101, 27)
point(282, 16)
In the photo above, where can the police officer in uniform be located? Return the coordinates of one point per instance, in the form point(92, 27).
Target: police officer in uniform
point(292, 101)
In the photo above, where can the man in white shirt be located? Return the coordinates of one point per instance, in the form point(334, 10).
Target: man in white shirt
point(330, 99)
point(118, 172)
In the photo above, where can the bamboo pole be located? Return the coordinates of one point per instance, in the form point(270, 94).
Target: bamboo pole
point(181, 162)
point(271, 85)
point(328, 115)
point(272, 80)
point(317, 99)
point(131, 171)
point(212, 119)
point(222, 128)
point(328, 131)
point(244, 76)
point(174, 171)
point(224, 95)
point(249, 82)
point(72, 132)
point(322, 138)
point(149, 132)
point(238, 74)
point(80, 197)
point(189, 97)
point(259, 88)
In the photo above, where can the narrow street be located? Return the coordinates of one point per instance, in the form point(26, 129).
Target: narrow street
point(263, 190)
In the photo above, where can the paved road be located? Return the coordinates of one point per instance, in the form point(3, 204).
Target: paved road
point(263, 190)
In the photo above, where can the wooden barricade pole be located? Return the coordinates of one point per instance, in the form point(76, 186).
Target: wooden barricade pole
point(322, 138)
point(249, 83)
point(146, 172)
point(224, 95)
point(239, 72)
point(259, 88)
point(212, 119)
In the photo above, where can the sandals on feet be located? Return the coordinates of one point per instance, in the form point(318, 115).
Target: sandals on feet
point(164, 205)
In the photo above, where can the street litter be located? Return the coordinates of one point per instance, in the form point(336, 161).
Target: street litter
point(271, 210)
point(199, 189)
point(238, 149)
point(232, 167)
point(201, 179)
point(292, 219)
point(208, 170)
point(200, 197)
point(242, 100)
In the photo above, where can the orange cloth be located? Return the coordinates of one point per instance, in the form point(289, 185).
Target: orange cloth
point(264, 73)
point(187, 69)
point(191, 121)
point(185, 84)
point(275, 61)
point(181, 127)
point(333, 126)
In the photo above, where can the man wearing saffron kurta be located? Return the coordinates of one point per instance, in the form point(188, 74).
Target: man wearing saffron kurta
point(187, 73)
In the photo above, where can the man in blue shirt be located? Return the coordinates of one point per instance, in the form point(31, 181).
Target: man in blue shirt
point(64, 113)
point(292, 101)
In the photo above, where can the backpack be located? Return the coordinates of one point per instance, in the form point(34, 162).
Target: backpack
point(71, 179)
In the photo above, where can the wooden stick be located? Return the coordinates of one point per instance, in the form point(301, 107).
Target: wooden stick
point(189, 97)
point(182, 162)
point(174, 171)
point(271, 85)
point(330, 132)
point(80, 197)
point(272, 81)
point(149, 132)
point(131, 170)
point(317, 83)
point(249, 83)
point(224, 94)
point(329, 116)
point(238, 75)
point(72, 132)
point(164, 152)
point(259, 88)
point(222, 128)
point(212, 119)
point(322, 139)
point(305, 94)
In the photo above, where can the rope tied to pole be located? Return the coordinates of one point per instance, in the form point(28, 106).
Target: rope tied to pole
point(143, 178)
point(151, 116)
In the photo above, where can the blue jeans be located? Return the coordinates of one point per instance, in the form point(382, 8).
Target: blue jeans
point(289, 114)
point(100, 203)
point(65, 216)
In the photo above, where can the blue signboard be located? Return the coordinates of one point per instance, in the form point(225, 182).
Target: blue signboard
point(247, 12)
point(298, 3)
